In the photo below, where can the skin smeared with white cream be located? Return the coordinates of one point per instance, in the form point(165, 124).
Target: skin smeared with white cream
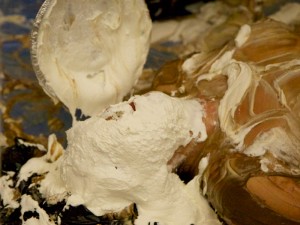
point(120, 157)
point(243, 80)
point(240, 77)
point(88, 55)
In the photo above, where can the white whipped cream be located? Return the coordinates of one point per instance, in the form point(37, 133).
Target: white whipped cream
point(29, 144)
point(7, 193)
point(242, 35)
point(89, 54)
point(120, 157)
point(241, 76)
point(51, 187)
point(28, 204)
point(284, 148)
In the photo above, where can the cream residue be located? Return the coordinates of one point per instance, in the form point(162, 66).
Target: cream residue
point(120, 157)
point(7, 193)
point(243, 35)
point(28, 204)
point(51, 187)
point(29, 144)
point(240, 79)
point(288, 13)
point(202, 166)
point(284, 148)
point(241, 76)
point(89, 55)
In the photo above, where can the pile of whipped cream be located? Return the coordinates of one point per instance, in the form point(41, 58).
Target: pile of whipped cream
point(119, 155)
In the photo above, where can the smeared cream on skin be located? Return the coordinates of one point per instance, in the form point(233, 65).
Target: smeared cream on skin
point(284, 148)
point(90, 57)
point(243, 78)
point(120, 157)
point(240, 78)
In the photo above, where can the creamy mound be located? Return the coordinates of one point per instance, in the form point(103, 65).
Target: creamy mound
point(120, 157)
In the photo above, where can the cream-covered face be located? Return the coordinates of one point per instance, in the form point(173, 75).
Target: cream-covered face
point(120, 157)
point(89, 54)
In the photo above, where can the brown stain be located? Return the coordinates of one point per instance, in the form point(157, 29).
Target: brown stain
point(269, 42)
point(262, 127)
point(169, 78)
point(281, 194)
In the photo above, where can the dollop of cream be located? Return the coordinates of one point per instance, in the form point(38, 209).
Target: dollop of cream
point(89, 54)
point(120, 157)
point(242, 35)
